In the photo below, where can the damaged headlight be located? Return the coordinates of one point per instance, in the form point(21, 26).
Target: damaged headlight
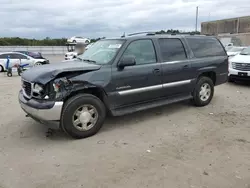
point(37, 88)
point(62, 87)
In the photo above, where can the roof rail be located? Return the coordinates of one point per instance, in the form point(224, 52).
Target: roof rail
point(145, 32)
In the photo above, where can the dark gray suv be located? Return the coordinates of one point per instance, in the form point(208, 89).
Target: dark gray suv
point(123, 75)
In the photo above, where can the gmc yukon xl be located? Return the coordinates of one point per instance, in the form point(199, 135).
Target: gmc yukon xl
point(123, 75)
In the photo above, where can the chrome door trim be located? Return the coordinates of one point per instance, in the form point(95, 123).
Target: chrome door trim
point(155, 87)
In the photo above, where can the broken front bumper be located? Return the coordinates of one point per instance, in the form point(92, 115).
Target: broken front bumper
point(46, 112)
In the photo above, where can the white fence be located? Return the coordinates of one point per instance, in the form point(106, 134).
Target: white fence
point(46, 50)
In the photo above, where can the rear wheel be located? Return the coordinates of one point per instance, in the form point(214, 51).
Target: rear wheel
point(203, 92)
point(83, 115)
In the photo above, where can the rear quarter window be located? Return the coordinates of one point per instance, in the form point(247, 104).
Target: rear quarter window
point(206, 47)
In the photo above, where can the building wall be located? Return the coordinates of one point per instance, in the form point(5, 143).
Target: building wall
point(238, 29)
point(232, 25)
point(240, 39)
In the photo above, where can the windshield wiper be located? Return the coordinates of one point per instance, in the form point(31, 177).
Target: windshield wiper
point(244, 54)
point(89, 60)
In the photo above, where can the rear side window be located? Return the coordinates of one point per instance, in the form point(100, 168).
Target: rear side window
point(3, 56)
point(172, 49)
point(205, 47)
point(19, 56)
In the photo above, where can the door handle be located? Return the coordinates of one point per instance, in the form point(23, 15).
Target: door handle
point(185, 66)
point(156, 71)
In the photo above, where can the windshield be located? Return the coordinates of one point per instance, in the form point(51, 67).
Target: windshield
point(102, 52)
point(246, 51)
point(235, 49)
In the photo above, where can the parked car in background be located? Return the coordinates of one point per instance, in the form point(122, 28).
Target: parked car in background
point(79, 49)
point(35, 55)
point(234, 51)
point(228, 46)
point(78, 39)
point(70, 55)
point(121, 76)
point(17, 57)
point(239, 66)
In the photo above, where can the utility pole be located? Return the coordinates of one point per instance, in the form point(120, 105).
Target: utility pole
point(196, 22)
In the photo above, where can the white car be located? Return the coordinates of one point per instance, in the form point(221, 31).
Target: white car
point(239, 66)
point(234, 51)
point(78, 40)
point(70, 55)
point(17, 58)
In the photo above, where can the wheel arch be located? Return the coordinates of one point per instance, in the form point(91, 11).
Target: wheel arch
point(97, 91)
point(210, 74)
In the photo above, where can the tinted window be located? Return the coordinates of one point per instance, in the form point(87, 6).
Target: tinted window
point(19, 56)
point(205, 47)
point(142, 50)
point(3, 56)
point(172, 49)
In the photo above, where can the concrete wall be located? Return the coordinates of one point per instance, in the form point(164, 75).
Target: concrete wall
point(46, 50)
point(232, 25)
point(240, 39)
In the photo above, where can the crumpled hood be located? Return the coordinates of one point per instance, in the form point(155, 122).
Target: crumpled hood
point(45, 73)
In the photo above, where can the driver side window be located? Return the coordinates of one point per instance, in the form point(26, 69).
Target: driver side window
point(19, 56)
point(142, 50)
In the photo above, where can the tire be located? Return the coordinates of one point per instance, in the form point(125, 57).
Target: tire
point(38, 63)
point(201, 100)
point(69, 111)
point(1, 68)
point(19, 71)
point(230, 79)
point(9, 74)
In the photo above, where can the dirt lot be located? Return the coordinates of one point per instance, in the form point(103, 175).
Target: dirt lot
point(175, 146)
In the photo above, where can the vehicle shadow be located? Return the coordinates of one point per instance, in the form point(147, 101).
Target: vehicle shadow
point(132, 119)
point(241, 83)
point(111, 123)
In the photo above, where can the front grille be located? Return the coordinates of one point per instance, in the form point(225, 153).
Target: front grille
point(241, 66)
point(27, 87)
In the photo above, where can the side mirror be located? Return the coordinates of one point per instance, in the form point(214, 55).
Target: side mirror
point(127, 61)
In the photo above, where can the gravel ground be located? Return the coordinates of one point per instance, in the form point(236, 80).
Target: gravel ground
point(175, 146)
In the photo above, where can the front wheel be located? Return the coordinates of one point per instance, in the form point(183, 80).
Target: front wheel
point(38, 63)
point(83, 115)
point(203, 92)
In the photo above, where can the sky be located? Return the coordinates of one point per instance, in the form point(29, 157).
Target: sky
point(109, 18)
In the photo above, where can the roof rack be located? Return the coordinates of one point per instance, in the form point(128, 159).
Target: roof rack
point(155, 33)
point(145, 32)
